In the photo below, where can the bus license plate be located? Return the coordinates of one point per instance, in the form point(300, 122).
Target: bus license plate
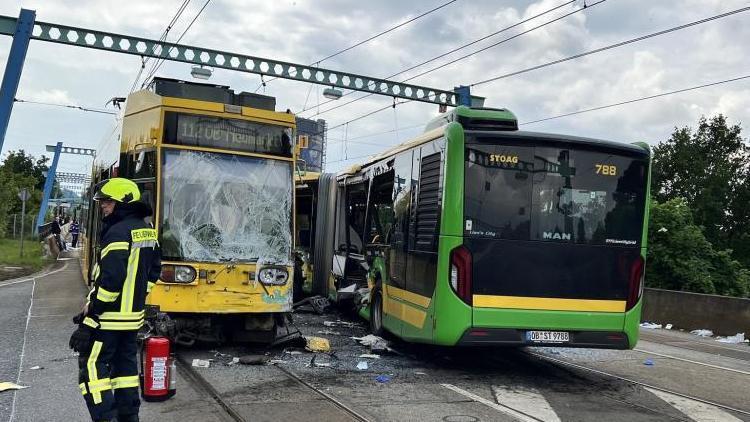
point(548, 336)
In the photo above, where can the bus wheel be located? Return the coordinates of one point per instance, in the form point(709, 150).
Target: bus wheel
point(376, 314)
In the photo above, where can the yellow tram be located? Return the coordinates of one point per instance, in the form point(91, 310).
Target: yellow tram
point(218, 169)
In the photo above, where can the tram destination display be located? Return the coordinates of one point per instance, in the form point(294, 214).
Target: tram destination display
point(221, 133)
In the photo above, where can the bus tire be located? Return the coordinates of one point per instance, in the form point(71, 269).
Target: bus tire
point(376, 314)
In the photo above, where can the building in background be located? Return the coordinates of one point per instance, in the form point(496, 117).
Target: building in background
point(312, 158)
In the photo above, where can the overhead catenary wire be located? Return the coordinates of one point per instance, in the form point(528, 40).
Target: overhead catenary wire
point(611, 46)
point(461, 47)
point(588, 110)
point(71, 106)
point(635, 100)
point(379, 34)
point(161, 61)
point(495, 44)
point(163, 37)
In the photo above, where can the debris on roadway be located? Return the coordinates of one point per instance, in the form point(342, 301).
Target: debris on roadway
point(201, 363)
point(369, 356)
point(703, 333)
point(376, 344)
point(5, 386)
point(651, 325)
point(735, 339)
point(339, 323)
point(317, 344)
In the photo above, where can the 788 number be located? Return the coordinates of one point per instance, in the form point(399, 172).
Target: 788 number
point(606, 170)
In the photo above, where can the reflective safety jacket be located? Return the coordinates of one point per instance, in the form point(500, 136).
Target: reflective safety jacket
point(126, 268)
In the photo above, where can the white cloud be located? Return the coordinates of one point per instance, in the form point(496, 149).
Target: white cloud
point(305, 31)
point(53, 96)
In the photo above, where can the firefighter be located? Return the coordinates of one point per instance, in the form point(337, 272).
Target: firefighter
point(126, 268)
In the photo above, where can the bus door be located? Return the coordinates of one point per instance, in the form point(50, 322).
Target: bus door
point(424, 228)
point(349, 266)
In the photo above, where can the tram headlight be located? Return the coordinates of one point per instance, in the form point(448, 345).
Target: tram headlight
point(177, 274)
point(273, 276)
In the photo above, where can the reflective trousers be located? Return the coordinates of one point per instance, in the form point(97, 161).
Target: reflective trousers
point(108, 375)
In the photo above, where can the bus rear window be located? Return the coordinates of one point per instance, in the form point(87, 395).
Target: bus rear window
point(551, 193)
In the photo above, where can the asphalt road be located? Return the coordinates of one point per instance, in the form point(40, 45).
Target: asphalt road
point(670, 375)
point(14, 302)
point(437, 384)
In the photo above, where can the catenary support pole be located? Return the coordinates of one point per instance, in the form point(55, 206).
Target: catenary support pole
point(12, 76)
point(48, 187)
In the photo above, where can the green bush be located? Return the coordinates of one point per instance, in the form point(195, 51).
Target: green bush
point(681, 258)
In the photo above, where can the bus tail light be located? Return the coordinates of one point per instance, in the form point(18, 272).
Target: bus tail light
point(460, 273)
point(635, 283)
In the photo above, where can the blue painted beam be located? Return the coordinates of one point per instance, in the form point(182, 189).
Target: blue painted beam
point(48, 187)
point(12, 76)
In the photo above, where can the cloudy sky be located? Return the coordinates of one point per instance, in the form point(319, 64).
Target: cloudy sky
point(306, 31)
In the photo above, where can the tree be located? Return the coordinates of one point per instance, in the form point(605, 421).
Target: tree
point(708, 167)
point(681, 258)
point(18, 162)
point(20, 170)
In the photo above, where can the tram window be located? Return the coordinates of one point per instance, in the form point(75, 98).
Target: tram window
point(148, 197)
point(144, 164)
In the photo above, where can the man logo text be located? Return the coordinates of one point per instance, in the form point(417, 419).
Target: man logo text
point(556, 236)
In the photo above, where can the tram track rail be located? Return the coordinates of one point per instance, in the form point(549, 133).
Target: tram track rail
point(638, 383)
point(206, 388)
point(608, 396)
point(519, 414)
point(699, 345)
point(234, 415)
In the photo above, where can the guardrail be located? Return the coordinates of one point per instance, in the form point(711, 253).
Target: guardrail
point(723, 315)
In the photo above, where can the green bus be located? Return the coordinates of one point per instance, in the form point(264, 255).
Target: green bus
point(476, 233)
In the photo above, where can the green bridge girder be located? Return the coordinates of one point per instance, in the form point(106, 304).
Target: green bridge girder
point(144, 47)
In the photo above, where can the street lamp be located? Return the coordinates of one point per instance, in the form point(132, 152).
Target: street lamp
point(200, 72)
point(332, 93)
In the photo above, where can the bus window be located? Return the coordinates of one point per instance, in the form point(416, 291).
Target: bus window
point(380, 214)
point(498, 191)
point(587, 197)
point(401, 196)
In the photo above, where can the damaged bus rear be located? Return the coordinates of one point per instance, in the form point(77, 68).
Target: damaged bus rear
point(476, 233)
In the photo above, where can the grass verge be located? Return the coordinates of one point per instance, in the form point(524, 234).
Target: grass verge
point(31, 261)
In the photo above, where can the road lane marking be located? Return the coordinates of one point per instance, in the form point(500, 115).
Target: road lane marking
point(526, 400)
point(23, 351)
point(500, 408)
point(695, 410)
point(34, 278)
point(692, 361)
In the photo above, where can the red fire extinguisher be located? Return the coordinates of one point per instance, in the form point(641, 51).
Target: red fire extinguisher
point(158, 370)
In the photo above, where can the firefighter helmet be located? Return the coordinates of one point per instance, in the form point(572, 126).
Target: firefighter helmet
point(117, 189)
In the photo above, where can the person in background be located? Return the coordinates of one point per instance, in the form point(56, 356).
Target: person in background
point(56, 230)
point(75, 230)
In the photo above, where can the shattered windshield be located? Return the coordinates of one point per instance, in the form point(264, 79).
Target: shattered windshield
point(222, 207)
